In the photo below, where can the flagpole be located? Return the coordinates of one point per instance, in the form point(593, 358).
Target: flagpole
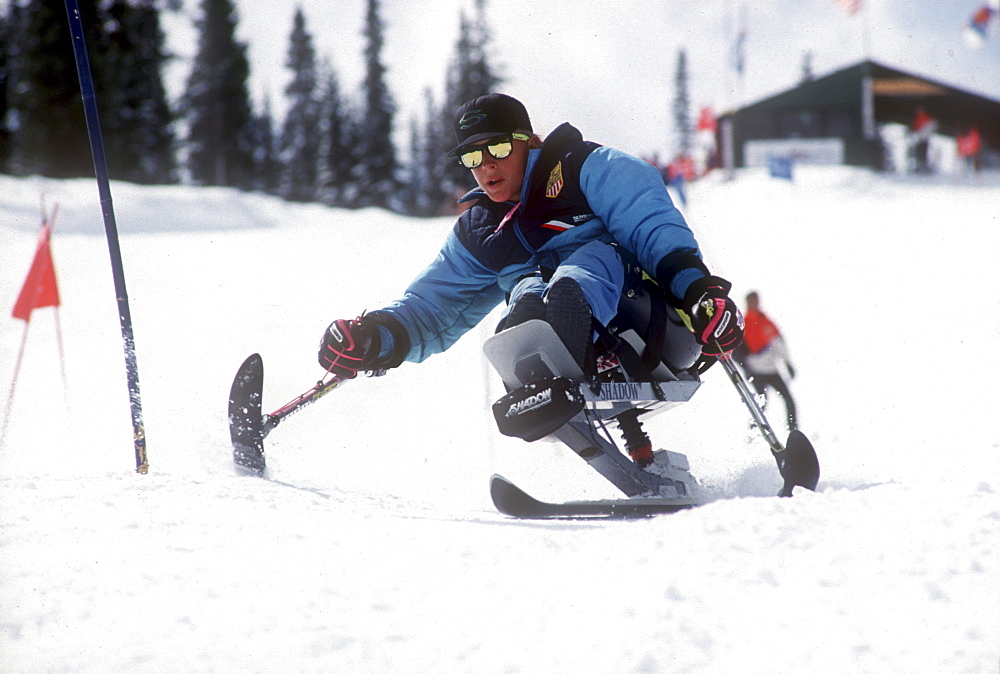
point(50, 222)
point(866, 41)
point(111, 230)
point(13, 383)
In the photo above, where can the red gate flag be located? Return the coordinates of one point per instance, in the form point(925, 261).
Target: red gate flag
point(850, 6)
point(40, 288)
point(706, 120)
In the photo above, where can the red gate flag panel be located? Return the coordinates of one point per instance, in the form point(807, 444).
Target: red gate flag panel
point(40, 288)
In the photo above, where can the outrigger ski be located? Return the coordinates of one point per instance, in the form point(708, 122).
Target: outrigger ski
point(514, 501)
point(248, 426)
point(246, 422)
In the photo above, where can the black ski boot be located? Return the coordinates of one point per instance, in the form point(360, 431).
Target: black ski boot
point(527, 307)
point(567, 311)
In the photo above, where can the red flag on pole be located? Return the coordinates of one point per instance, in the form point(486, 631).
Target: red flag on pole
point(706, 120)
point(850, 6)
point(40, 288)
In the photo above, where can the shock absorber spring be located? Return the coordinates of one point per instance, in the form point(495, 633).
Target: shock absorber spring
point(637, 441)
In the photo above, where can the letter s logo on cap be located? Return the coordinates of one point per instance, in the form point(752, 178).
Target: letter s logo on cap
point(471, 118)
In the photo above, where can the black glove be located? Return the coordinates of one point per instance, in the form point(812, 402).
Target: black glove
point(716, 321)
point(349, 346)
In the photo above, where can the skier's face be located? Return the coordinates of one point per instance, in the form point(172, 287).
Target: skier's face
point(501, 178)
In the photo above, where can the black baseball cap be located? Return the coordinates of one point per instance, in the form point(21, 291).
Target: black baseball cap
point(487, 117)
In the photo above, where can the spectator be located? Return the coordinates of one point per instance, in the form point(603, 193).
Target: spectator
point(969, 146)
point(923, 128)
point(764, 354)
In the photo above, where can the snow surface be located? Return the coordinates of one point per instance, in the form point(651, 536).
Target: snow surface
point(376, 548)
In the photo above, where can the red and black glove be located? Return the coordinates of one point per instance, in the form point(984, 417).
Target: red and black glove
point(349, 346)
point(715, 319)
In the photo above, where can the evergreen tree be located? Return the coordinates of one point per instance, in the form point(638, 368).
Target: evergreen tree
point(300, 134)
point(376, 171)
point(470, 76)
point(682, 107)
point(267, 167)
point(136, 117)
point(437, 195)
point(413, 188)
point(48, 129)
point(217, 104)
point(425, 178)
point(45, 114)
point(6, 36)
point(337, 160)
point(807, 67)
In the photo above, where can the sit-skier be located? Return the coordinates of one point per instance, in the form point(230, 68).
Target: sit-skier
point(562, 228)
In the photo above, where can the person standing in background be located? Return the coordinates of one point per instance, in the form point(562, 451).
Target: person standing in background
point(764, 355)
point(924, 126)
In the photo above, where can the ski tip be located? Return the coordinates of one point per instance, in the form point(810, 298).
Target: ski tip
point(246, 423)
point(509, 498)
point(252, 362)
point(801, 466)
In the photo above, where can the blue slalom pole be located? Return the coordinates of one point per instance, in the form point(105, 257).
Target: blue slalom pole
point(110, 228)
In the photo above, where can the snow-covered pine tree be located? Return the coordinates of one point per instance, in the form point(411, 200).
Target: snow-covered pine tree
point(139, 142)
point(806, 74)
point(437, 193)
point(49, 130)
point(682, 107)
point(375, 172)
point(6, 20)
point(267, 168)
point(336, 158)
point(216, 103)
point(413, 188)
point(470, 75)
point(125, 48)
point(300, 136)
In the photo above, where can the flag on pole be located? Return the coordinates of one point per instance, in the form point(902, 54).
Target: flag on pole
point(40, 288)
point(706, 120)
point(739, 51)
point(980, 25)
point(850, 6)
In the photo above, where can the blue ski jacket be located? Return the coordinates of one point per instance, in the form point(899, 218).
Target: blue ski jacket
point(574, 192)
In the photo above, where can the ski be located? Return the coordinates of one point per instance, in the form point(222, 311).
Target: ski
point(796, 459)
point(511, 500)
point(246, 422)
point(248, 426)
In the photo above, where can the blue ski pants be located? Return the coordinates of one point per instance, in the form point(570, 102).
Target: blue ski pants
point(599, 271)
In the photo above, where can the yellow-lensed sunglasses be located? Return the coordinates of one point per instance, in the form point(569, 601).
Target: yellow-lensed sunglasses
point(499, 148)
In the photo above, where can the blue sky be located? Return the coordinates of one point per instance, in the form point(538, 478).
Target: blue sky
point(608, 67)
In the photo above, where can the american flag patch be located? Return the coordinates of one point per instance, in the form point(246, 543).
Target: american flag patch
point(555, 184)
point(607, 362)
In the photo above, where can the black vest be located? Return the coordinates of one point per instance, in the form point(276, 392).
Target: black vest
point(553, 203)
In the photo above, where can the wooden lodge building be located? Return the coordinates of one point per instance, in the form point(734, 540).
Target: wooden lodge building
point(836, 119)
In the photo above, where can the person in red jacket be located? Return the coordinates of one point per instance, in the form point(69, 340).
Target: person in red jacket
point(764, 356)
point(923, 127)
